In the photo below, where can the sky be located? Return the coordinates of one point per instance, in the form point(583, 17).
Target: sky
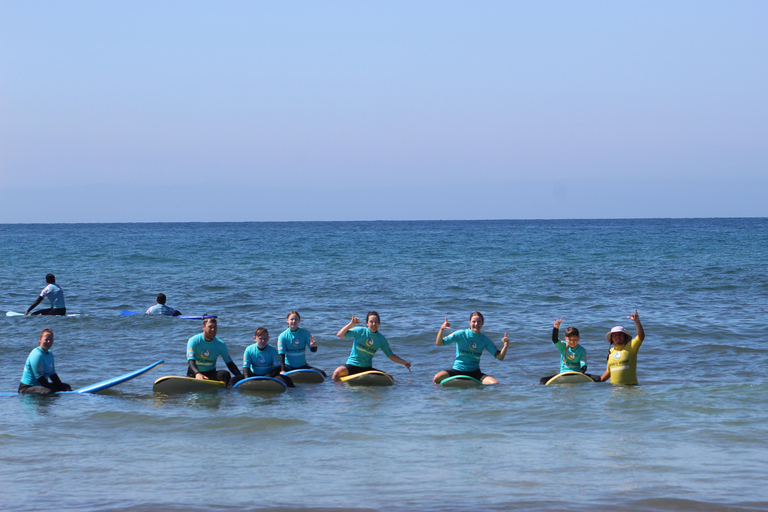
point(150, 111)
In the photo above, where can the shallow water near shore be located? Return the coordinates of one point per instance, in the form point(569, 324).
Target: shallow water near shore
point(692, 436)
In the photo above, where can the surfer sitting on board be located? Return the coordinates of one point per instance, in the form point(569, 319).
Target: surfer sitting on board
point(573, 357)
point(161, 309)
point(202, 351)
point(469, 347)
point(261, 359)
point(292, 345)
point(39, 368)
point(55, 295)
point(622, 358)
point(367, 341)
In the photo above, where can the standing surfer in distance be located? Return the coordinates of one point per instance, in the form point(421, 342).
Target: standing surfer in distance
point(469, 347)
point(39, 368)
point(622, 358)
point(367, 341)
point(55, 295)
point(161, 309)
point(202, 351)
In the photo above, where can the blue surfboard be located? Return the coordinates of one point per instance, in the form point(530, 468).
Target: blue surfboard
point(186, 317)
point(106, 384)
point(261, 384)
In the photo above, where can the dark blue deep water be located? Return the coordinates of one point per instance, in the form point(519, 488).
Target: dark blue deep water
point(692, 436)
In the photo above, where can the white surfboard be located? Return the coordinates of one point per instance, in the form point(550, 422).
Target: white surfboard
point(372, 378)
point(569, 378)
point(261, 384)
point(305, 376)
point(171, 385)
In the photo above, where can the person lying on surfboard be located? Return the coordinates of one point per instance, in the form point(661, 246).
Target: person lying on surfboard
point(367, 341)
point(469, 347)
point(39, 368)
point(573, 357)
point(202, 352)
point(161, 309)
point(261, 359)
point(622, 358)
point(55, 295)
point(292, 345)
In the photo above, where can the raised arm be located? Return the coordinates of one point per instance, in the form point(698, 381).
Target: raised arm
point(501, 354)
point(446, 325)
point(636, 318)
point(555, 330)
point(347, 327)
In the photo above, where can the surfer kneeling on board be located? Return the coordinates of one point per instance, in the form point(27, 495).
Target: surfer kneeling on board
point(367, 341)
point(573, 357)
point(261, 359)
point(55, 295)
point(622, 358)
point(161, 309)
point(469, 347)
point(39, 368)
point(292, 345)
point(202, 352)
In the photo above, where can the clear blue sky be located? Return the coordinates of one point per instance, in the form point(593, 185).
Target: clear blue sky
point(216, 111)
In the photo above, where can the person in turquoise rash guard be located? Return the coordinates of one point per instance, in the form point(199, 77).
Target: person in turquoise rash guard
point(573, 357)
point(292, 345)
point(39, 368)
point(55, 295)
point(470, 344)
point(202, 352)
point(367, 341)
point(161, 309)
point(261, 359)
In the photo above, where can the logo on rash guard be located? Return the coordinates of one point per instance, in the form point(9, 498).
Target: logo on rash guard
point(260, 360)
point(571, 356)
point(617, 355)
point(472, 346)
point(205, 353)
point(369, 342)
point(295, 342)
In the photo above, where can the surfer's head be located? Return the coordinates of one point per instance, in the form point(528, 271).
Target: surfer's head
point(292, 319)
point(261, 337)
point(210, 326)
point(161, 298)
point(618, 336)
point(50, 279)
point(45, 341)
point(372, 320)
point(572, 336)
point(476, 321)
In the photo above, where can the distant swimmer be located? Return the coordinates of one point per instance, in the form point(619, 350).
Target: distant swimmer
point(261, 359)
point(202, 352)
point(161, 309)
point(55, 295)
point(292, 345)
point(39, 368)
point(367, 340)
point(622, 358)
point(470, 344)
point(573, 357)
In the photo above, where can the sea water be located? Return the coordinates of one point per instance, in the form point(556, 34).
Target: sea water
point(692, 436)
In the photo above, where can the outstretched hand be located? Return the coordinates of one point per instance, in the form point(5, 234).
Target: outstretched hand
point(446, 324)
point(634, 317)
point(354, 320)
point(558, 322)
point(505, 340)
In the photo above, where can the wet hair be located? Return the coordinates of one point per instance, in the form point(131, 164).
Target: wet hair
point(50, 279)
point(370, 314)
point(292, 312)
point(207, 319)
point(161, 298)
point(43, 332)
point(482, 318)
point(260, 331)
point(571, 331)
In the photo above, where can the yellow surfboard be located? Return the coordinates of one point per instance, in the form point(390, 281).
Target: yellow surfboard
point(569, 378)
point(171, 385)
point(372, 378)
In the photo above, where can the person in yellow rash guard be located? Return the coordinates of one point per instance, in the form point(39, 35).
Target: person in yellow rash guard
point(622, 359)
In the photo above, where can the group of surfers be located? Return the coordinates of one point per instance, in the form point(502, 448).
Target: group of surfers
point(262, 359)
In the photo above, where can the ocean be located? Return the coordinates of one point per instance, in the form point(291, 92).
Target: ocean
point(692, 436)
